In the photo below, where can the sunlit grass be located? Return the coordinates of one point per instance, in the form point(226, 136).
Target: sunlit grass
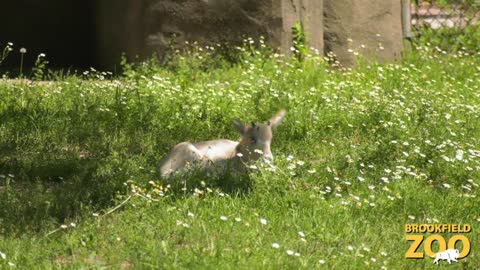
point(360, 153)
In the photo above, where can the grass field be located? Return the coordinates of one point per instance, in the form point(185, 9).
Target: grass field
point(361, 153)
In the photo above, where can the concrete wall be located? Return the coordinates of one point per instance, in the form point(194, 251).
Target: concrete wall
point(145, 27)
point(310, 14)
point(375, 24)
point(121, 28)
point(98, 31)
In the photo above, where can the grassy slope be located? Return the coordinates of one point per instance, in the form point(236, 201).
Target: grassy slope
point(361, 153)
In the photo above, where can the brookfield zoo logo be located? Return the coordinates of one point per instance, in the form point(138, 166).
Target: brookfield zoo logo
point(446, 250)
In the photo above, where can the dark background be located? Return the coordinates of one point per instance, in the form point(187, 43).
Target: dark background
point(62, 29)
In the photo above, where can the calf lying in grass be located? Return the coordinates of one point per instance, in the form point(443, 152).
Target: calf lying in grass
point(223, 154)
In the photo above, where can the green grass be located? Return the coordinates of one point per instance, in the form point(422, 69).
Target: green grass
point(360, 153)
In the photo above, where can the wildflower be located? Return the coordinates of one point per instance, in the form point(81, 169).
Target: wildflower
point(258, 151)
point(223, 218)
point(290, 252)
point(275, 245)
point(73, 224)
point(321, 261)
point(459, 155)
point(3, 255)
point(446, 185)
point(301, 234)
point(23, 50)
point(237, 219)
point(411, 217)
point(263, 221)
point(63, 226)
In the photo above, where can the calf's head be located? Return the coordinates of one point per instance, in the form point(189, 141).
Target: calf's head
point(255, 139)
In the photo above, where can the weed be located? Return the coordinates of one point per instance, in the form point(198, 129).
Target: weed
point(299, 40)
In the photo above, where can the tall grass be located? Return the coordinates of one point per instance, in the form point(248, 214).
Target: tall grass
point(361, 152)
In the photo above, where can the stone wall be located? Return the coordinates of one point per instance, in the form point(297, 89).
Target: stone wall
point(97, 32)
point(151, 26)
point(310, 14)
point(121, 28)
point(370, 27)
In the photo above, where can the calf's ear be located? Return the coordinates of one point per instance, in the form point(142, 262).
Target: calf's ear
point(276, 119)
point(238, 125)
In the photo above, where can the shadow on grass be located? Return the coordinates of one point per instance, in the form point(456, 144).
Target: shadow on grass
point(198, 181)
point(38, 194)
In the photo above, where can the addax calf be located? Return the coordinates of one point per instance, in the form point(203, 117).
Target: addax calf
point(255, 140)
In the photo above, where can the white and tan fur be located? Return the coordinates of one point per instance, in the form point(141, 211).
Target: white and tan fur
point(255, 140)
